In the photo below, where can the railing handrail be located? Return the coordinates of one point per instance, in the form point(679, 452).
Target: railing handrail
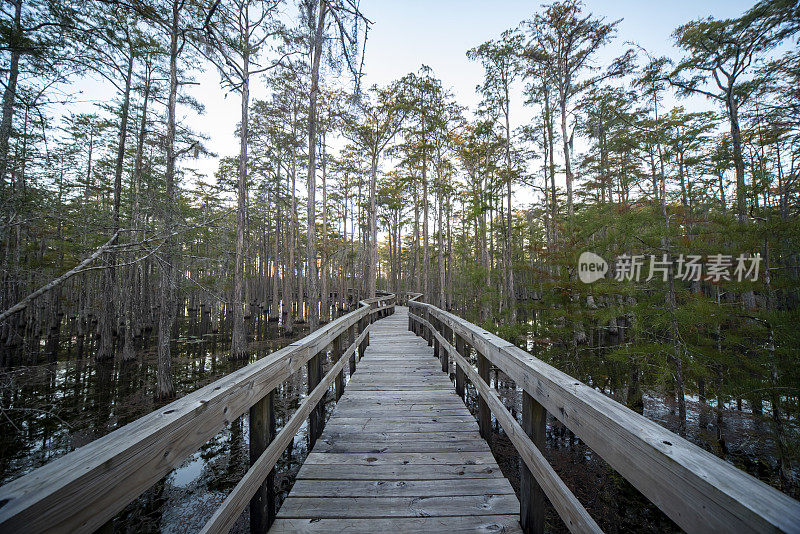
point(408, 296)
point(697, 490)
point(82, 490)
point(376, 300)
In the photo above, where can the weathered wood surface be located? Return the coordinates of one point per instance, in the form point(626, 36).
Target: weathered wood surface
point(235, 502)
point(575, 517)
point(81, 491)
point(484, 524)
point(697, 490)
point(400, 453)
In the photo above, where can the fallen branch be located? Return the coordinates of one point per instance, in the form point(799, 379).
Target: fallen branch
point(21, 305)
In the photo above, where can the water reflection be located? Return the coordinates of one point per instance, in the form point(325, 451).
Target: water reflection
point(52, 409)
point(614, 503)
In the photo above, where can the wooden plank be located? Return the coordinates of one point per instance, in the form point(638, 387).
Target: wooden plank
point(420, 445)
point(379, 398)
point(400, 488)
point(571, 511)
point(399, 472)
point(392, 394)
point(340, 433)
point(415, 458)
point(81, 491)
point(233, 505)
point(382, 387)
point(420, 380)
point(697, 490)
point(420, 377)
point(436, 506)
point(392, 411)
point(418, 410)
point(407, 425)
point(494, 524)
point(404, 418)
point(391, 372)
point(400, 443)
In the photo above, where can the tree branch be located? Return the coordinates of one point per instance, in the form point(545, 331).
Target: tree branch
point(21, 305)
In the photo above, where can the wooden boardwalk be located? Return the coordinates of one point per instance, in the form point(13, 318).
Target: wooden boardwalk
point(401, 452)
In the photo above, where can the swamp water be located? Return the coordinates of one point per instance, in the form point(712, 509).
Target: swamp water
point(51, 409)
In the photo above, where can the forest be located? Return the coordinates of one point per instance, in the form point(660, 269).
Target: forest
point(130, 278)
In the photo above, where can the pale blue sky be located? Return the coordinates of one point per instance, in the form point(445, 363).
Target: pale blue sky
point(408, 33)
point(438, 33)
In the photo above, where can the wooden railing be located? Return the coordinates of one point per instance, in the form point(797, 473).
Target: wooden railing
point(405, 297)
point(83, 490)
point(697, 490)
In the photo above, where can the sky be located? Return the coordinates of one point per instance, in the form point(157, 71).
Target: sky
point(408, 33)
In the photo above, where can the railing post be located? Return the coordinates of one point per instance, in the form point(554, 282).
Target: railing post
point(461, 348)
point(531, 502)
point(262, 431)
point(429, 335)
point(447, 333)
point(484, 415)
point(351, 336)
point(359, 328)
point(368, 322)
point(362, 347)
point(338, 382)
point(436, 328)
point(315, 419)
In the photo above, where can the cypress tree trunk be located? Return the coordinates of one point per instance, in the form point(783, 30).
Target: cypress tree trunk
point(108, 316)
point(371, 275)
point(166, 313)
point(131, 315)
point(238, 337)
point(311, 243)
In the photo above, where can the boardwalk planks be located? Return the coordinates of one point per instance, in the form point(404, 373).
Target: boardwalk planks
point(400, 453)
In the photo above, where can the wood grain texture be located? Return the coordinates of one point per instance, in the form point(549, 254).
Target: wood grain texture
point(571, 511)
point(531, 496)
point(697, 490)
point(262, 430)
point(492, 524)
point(400, 452)
point(237, 499)
point(82, 490)
point(433, 506)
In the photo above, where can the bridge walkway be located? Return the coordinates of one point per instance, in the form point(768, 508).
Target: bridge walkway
point(400, 453)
